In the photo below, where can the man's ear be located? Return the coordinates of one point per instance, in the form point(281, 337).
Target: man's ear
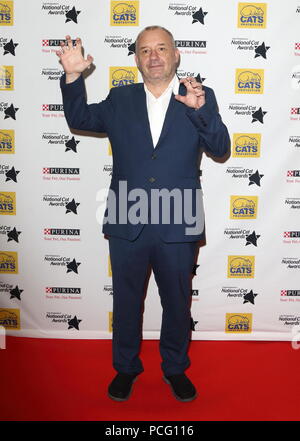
point(177, 54)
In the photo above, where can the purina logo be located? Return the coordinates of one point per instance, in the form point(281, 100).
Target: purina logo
point(52, 108)
point(243, 207)
point(122, 76)
point(51, 45)
point(293, 176)
point(7, 141)
point(64, 293)
point(6, 13)
point(247, 46)
point(62, 234)
point(246, 145)
point(124, 13)
point(8, 203)
point(250, 81)
point(291, 237)
point(241, 267)
point(252, 15)
point(290, 293)
point(297, 49)
point(295, 114)
point(6, 78)
point(195, 47)
point(61, 174)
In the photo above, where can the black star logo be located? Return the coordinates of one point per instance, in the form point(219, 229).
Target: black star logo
point(72, 266)
point(252, 239)
point(72, 206)
point(13, 235)
point(9, 48)
point(255, 178)
point(72, 15)
point(10, 112)
point(74, 323)
point(199, 16)
point(200, 79)
point(249, 297)
point(193, 324)
point(258, 115)
point(16, 293)
point(71, 145)
point(194, 271)
point(260, 51)
point(11, 175)
point(131, 49)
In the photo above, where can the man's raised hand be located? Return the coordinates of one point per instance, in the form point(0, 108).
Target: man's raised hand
point(72, 59)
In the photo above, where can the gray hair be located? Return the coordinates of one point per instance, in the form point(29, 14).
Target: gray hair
point(153, 28)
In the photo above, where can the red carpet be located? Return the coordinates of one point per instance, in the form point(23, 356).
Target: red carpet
point(58, 380)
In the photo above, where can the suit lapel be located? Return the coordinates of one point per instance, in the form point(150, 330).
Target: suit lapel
point(142, 114)
point(140, 105)
point(173, 109)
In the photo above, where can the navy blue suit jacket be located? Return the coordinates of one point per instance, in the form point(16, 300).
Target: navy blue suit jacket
point(172, 164)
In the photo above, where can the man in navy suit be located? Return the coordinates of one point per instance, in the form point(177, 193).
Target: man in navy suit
point(157, 130)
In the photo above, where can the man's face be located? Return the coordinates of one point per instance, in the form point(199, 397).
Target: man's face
point(156, 57)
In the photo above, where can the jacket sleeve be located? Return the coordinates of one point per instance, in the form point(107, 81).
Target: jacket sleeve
point(79, 114)
point(212, 131)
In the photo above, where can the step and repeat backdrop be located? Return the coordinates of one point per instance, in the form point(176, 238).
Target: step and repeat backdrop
point(54, 260)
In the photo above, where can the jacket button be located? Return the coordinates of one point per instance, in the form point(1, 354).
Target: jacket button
point(153, 156)
point(151, 179)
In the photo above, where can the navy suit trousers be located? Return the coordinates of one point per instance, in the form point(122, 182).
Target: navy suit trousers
point(172, 265)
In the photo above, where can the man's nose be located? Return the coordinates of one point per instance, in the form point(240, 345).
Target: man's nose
point(154, 54)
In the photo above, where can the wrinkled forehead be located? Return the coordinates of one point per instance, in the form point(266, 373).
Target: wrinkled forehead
point(153, 37)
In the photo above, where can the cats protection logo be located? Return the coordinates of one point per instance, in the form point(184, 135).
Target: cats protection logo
point(246, 145)
point(243, 207)
point(238, 322)
point(241, 267)
point(110, 321)
point(124, 13)
point(7, 202)
point(7, 141)
point(6, 78)
point(122, 76)
point(10, 318)
point(252, 15)
point(8, 262)
point(6, 13)
point(250, 81)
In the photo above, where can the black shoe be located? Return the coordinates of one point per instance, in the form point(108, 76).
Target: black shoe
point(121, 386)
point(182, 387)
